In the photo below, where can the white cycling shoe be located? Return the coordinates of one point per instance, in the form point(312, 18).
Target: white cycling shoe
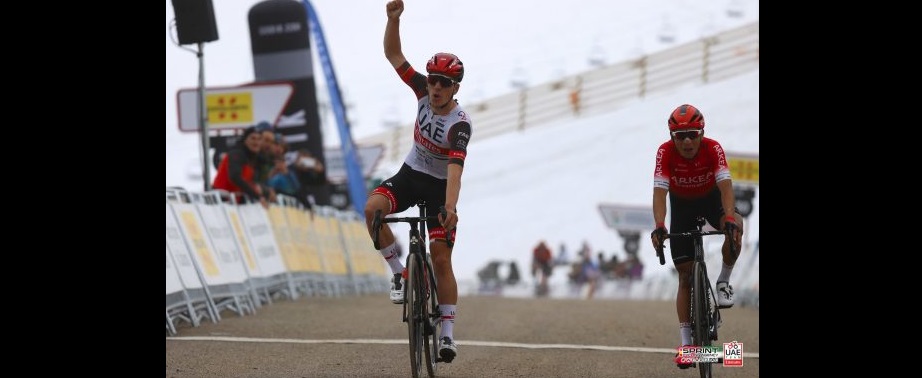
point(724, 295)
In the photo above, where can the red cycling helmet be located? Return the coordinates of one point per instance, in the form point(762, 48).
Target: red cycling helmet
point(447, 65)
point(686, 117)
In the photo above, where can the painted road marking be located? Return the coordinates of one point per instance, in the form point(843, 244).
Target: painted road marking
point(465, 342)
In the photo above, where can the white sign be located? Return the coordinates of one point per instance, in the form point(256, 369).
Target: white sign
point(234, 107)
point(336, 164)
point(627, 218)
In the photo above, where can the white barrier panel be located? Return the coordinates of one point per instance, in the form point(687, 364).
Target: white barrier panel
point(369, 271)
point(252, 228)
point(304, 240)
point(196, 295)
point(193, 232)
point(223, 245)
point(223, 273)
point(177, 246)
point(365, 259)
point(331, 247)
point(173, 285)
point(259, 232)
point(306, 249)
point(178, 304)
point(332, 253)
point(282, 236)
point(232, 217)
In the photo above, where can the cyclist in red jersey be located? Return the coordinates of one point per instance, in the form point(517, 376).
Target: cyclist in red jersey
point(431, 171)
point(693, 170)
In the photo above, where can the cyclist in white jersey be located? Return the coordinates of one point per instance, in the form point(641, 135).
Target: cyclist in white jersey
point(431, 171)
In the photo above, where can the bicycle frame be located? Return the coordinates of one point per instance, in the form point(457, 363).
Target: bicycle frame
point(421, 305)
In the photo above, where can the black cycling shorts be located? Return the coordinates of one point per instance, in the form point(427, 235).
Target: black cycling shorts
point(684, 214)
point(409, 186)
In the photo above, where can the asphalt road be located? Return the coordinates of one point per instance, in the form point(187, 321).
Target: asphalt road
point(363, 336)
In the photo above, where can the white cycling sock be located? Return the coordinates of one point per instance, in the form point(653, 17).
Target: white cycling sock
point(725, 271)
point(448, 320)
point(390, 255)
point(685, 333)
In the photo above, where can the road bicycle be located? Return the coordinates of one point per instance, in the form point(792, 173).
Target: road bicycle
point(421, 304)
point(705, 313)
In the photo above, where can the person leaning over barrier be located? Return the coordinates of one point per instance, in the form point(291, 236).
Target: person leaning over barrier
point(237, 171)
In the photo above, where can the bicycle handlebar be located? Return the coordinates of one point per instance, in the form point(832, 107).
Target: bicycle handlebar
point(688, 234)
point(691, 234)
point(378, 221)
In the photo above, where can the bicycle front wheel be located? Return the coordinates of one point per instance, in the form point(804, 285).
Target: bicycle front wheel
point(433, 320)
point(418, 314)
point(701, 314)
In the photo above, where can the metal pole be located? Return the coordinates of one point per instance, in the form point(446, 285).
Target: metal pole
point(203, 118)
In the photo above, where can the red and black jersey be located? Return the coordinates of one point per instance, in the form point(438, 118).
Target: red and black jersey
point(690, 178)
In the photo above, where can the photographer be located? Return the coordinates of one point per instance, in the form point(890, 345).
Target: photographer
point(311, 175)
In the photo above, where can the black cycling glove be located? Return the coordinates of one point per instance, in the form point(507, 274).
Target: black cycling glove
point(659, 233)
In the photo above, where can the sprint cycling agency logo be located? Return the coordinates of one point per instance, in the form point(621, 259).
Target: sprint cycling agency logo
point(730, 355)
point(733, 354)
point(691, 354)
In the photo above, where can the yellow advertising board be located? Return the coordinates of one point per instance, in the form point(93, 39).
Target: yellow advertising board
point(744, 168)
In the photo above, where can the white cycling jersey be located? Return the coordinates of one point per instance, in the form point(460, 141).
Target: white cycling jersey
point(431, 145)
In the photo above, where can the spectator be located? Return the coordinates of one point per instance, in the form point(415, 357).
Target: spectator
point(584, 251)
point(489, 278)
point(586, 271)
point(635, 270)
point(612, 265)
point(268, 153)
point(605, 268)
point(237, 171)
point(514, 276)
point(562, 257)
point(283, 180)
point(310, 174)
point(541, 263)
point(630, 269)
point(283, 177)
point(263, 126)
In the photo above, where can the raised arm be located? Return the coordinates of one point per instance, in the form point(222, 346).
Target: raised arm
point(392, 49)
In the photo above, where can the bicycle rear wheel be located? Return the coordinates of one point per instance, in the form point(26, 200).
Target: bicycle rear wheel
point(701, 314)
point(416, 306)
